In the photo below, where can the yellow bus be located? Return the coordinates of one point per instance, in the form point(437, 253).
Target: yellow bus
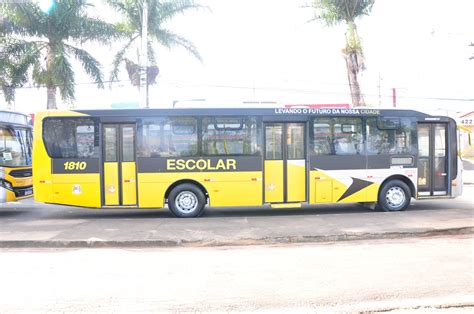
point(188, 159)
point(16, 142)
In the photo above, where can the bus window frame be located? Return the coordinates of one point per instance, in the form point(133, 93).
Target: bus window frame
point(96, 122)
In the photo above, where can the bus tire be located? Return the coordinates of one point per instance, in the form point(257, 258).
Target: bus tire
point(186, 201)
point(394, 196)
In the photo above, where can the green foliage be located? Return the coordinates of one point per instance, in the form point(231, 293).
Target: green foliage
point(159, 14)
point(333, 12)
point(38, 46)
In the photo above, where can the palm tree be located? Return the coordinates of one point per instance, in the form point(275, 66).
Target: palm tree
point(160, 12)
point(333, 12)
point(40, 45)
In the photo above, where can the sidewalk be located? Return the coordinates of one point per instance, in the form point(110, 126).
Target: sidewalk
point(31, 224)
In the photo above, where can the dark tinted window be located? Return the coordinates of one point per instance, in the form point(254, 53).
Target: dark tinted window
point(273, 142)
point(338, 136)
point(128, 143)
point(229, 136)
point(71, 138)
point(401, 140)
point(110, 143)
point(385, 123)
point(167, 137)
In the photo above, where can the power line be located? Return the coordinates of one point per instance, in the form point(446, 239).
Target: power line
point(268, 88)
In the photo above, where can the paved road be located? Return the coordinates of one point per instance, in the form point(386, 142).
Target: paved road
point(32, 225)
point(426, 274)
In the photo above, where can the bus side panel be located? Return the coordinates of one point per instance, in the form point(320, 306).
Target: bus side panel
point(151, 193)
point(224, 188)
point(129, 186)
point(372, 193)
point(296, 178)
point(274, 181)
point(111, 184)
point(41, 164)
point(320, 188)
point(76, 189)
point(345, 186)
point(235, 189)
point(342, 193)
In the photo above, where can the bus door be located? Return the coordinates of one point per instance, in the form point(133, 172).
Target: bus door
point(285, 162)
point(433, 160)
point(119, 165)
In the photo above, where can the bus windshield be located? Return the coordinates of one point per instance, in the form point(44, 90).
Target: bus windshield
point(15, 146)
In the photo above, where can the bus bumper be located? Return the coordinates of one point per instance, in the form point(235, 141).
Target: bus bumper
point(14, 194)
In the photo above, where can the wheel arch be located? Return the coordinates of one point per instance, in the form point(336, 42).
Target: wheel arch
point(402, 178)
point(188, 181)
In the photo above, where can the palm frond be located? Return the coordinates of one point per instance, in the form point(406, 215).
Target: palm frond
point(92, 29)
point(16, 59)
point(167, 10)
point(118, 58)
point(89, 64)
point(24, 19)
point(61, 73)
point(159, 13)
point(335, 11)
point(169, 39)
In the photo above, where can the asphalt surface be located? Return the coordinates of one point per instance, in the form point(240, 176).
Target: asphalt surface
point(29, 224)
point(415, 275)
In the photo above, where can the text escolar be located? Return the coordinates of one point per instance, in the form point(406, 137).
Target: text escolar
point(200, 164)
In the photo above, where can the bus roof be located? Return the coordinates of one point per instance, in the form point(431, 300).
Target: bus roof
point(292, 111)
point(11, 117)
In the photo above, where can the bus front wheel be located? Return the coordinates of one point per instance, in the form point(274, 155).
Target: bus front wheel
point(186, 201)
point(394, 196)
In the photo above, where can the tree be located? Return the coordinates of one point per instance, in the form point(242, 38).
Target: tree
point(39, 45)
point(159, 13)
point(333, 12)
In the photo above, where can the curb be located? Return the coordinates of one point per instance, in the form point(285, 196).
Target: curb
point(98, 243)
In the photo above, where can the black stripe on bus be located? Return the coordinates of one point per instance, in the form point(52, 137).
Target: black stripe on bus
point(75, 165)
point(199, 164)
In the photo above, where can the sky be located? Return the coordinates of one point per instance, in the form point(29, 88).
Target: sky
point(268, 51)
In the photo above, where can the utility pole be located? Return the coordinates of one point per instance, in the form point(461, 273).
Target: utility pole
point(144, 58)
point(394, 97)
point(380, 96)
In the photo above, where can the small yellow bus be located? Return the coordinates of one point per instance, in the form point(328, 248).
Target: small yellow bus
point(188, 159)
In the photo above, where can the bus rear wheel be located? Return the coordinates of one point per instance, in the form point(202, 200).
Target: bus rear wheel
point(394, 196)
point(186, 201)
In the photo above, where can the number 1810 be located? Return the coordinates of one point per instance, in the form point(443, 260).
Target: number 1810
point(75, 165)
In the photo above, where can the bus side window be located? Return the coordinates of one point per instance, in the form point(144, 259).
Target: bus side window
point(71, 137)
point(229, 136)
point(322, 137)
point(386, 136)
point(347, 136)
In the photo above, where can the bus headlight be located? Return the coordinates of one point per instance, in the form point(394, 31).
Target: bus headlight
point(5, 184)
